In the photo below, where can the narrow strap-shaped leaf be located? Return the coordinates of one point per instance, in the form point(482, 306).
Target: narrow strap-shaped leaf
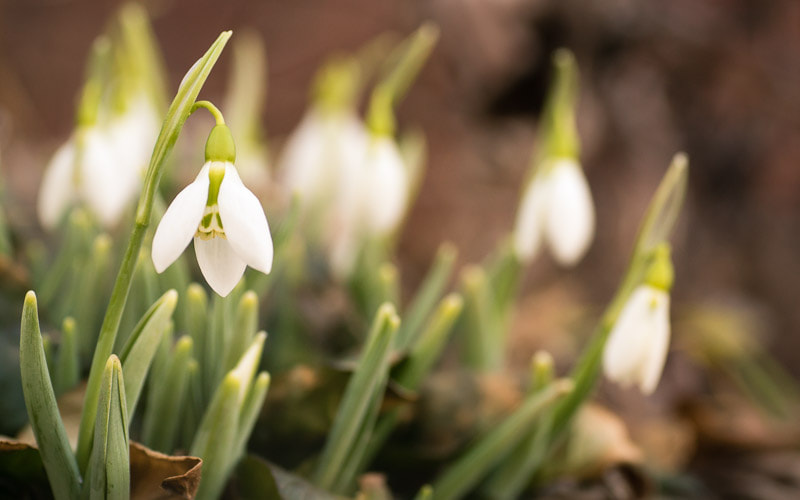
point(251, 407)
point(429, 347)
point(357, 396)
point(67, 373)
point(160, 427)
point(244, 329)
point(214, 440)
point(40, 401)
point(425, 299)
point(472, 466)
point(356, 458)
point(137, 356)
point(109, 468)
point(93, 282)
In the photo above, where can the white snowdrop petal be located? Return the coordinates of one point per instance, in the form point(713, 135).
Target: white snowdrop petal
point(387, 187)
point(57, 189)
point(637, 345)
point(527, 237)
point(569, 222)
point(220, 265)
point(244, 222)
point(180, 222)
point(107, 184)
point(303, 157)
point(659, 342)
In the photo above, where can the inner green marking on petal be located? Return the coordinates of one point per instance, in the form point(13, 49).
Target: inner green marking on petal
point(215, 174)
point(210, 225)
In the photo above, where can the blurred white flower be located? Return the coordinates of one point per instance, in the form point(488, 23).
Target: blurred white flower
point(556, 208)
point(88, 174)
point(637, 344)
point(322, 156)
point(101, 166)
point(227, 223)
point(134, 133)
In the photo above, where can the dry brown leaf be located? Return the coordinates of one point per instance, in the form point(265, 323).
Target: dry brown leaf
point(154, 476)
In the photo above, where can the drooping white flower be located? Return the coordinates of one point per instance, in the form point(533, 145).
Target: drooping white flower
point(100, 165)
point(637, 345)
point(385, 185)
point(227, 223)
point(557, 209)
point(322, 155)
point(90, 174)
point(133, 133)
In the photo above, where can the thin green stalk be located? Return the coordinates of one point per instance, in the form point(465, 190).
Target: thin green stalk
point(178, 111)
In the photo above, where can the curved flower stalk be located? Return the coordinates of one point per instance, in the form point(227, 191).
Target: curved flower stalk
point(556, 206)
point(224, 218)
point(556, 209)
point(638, 343)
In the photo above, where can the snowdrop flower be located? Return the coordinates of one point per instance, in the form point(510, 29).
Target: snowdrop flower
point(323, 155)
point(224, 218)
point(371, 204)
point(134, 132)
point(100, 165)
point(385, 185)
point(637, 345)
point(86, 169)
point(557, 209)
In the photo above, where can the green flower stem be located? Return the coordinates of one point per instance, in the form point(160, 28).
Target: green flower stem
point(425, 299)
point(408, 60)
point(209, 106)
point(108, 477)
point(560, 130)
point(177, 114)
point(487, 451)
point(358, 397)
point(40, 401)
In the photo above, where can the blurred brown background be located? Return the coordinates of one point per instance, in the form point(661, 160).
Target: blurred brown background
point(719, 79)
